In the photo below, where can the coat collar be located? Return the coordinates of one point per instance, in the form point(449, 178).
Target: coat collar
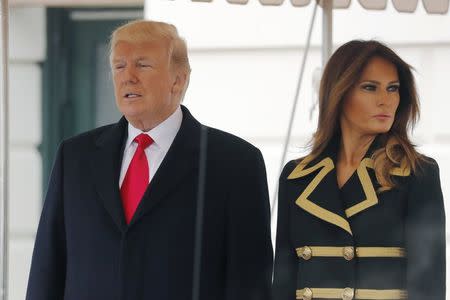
point(322, 197)
point(106, 162)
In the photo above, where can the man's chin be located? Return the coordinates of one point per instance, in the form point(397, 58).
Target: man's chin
point(133, 115)
point(131, 110)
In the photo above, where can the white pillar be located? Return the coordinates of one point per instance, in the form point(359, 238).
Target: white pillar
point(3, 148)
point(327, 30)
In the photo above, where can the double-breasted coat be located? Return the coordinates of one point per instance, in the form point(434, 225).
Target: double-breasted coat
point(354, 242)
point(84, 249)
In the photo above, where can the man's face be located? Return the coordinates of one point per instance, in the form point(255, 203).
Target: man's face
point(144, 84)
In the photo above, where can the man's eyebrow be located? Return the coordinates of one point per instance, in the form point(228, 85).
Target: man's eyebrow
point(116, 60)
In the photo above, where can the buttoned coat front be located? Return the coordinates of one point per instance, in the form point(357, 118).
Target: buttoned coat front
point(354, 242)
point(85, 250)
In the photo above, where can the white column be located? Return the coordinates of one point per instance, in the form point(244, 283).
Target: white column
point(327, 30)
point(3, 148)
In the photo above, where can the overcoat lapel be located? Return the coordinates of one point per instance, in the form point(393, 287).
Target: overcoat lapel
point(359, 193)
point(321, 195)
point(179, 161)
point(106, 162)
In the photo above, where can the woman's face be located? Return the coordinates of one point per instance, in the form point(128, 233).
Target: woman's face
point(369, 107)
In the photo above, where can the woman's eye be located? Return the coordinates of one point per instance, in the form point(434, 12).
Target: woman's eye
point(393, 88)
point(369, 87)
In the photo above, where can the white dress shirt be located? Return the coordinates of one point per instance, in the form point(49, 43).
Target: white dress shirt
point(162, 135)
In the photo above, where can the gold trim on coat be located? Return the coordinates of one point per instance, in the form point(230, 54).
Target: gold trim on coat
point(349, 293)
point(369, 191)
point(403, 170)
point(326, 165)
point(325, 251)
point(380, 252)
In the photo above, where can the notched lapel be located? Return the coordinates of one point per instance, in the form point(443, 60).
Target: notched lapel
point(106, 162)
point(324, 185)
point(369, 197)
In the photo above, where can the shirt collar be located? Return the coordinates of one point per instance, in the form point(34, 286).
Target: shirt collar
point(163, 134)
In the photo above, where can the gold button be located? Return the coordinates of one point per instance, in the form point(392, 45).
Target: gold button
point(349, 253)
point(348, 294)
point(307, 294)
point(306, 253)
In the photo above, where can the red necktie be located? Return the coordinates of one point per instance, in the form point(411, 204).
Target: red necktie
point(136, 179)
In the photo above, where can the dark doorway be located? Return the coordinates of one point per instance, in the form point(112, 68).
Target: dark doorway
point(78, 91)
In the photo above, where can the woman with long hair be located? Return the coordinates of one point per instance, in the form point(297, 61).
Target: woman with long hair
point(362, 216)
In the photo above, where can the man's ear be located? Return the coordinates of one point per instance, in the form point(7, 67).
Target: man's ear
point(179, 82)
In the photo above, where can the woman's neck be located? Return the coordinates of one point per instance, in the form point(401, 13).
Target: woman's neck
point(353, 147)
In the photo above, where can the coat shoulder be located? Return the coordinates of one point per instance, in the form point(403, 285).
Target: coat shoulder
point(83, 144)
point(230, 143)
point(425, 181)
point(288, 168)
point(427, 168)
point(87, 136)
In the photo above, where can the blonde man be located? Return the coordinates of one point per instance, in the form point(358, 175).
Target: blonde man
point(156, 206)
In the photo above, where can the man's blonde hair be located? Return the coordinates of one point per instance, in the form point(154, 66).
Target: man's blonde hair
point(144, 30)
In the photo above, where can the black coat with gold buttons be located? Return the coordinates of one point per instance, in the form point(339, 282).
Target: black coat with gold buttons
point(356, 243)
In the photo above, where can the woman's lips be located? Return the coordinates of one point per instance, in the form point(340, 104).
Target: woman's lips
point(382, 117)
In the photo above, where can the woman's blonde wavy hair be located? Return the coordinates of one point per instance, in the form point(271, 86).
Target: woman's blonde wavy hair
point(341, 73)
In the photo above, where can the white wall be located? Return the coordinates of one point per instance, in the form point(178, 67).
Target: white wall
point(27, 50)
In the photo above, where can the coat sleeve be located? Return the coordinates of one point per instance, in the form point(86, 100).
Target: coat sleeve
point(285, 267)
point(48, 267)
point(249, 249)
point(425, 236)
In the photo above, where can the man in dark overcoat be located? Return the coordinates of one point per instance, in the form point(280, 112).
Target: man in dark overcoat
point(156, 206)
